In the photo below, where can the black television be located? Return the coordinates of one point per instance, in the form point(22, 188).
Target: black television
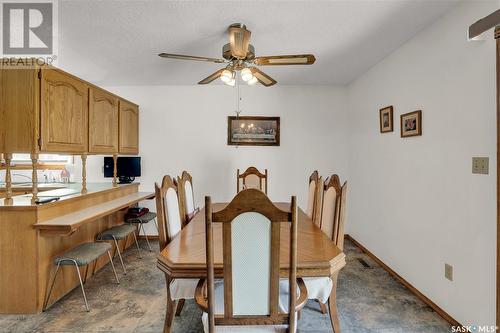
point(127, 168)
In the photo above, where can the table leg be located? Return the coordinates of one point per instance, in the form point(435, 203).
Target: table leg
point(332, 304)
point(171, 307)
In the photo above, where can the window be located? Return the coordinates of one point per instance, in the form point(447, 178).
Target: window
point(42, 159)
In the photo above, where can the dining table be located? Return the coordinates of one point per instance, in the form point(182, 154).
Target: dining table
point(317, 256)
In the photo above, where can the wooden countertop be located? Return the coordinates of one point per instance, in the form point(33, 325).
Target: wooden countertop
point(23, 202)
point(70, 222)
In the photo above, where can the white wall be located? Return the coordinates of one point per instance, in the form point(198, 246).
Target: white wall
point(185, 127)
point(414, 201)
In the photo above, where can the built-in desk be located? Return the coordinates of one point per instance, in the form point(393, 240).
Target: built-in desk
point(32, 235)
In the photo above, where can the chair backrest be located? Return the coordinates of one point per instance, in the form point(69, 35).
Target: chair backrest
point(314, 197)
point(333, 210)
point(251, 233)
point(168, 211)
point(251, 178)
point(186, 195)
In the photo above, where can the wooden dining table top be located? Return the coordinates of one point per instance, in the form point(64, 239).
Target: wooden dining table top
point(184, 256)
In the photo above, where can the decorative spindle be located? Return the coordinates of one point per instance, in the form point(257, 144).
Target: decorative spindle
point(115, 170)
point(8, 180)
point(34, 177)
point(84, 173)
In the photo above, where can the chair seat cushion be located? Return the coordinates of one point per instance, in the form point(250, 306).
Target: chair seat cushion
point(118, 232)
point(219, 309)
point(142, 219)
point(83, 254)
point(183, 288)
point(318, 288)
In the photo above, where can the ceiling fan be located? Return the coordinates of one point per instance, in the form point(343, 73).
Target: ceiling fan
point(239, 55)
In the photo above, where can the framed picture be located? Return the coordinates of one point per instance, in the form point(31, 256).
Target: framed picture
point(386, 120)
point(253, 131)
point(411, 124)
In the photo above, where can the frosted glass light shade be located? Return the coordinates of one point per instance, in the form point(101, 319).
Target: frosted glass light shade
point(246, 74)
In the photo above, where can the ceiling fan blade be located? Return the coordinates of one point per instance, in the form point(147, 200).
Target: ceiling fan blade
point(239, 39)
point(295, 59)
point(262, 77)
point(211, 77)
point(188, 57)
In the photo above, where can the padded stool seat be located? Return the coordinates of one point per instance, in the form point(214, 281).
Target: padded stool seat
point(83, 254)
point(141, 220)
point(149, 216)
point(117, 232)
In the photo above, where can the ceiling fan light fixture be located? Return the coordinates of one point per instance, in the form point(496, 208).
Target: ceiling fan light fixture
point(231, 82)
point(252, 81)
point(226, 76)
point(246, 74)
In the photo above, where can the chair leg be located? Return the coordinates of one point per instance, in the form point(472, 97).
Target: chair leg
point(119, 255)
point(146, 236)
point(171, 309)
point(51, 286)
point(81, 285)
point(332, 304)
point(137, 245)
point(113, 266)
point(323, 307)
point(180, 305)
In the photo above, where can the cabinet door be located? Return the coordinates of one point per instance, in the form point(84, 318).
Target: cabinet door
point(129, 128)
point(103, 122)
point(64, 113)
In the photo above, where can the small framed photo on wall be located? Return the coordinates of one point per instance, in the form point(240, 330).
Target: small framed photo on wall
point(411, 124)
point(386, 119)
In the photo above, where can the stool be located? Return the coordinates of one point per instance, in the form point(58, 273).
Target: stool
point(117, 233)
point(82, 255)
point(141, 220)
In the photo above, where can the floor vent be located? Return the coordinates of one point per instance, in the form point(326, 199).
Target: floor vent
point(364, 263)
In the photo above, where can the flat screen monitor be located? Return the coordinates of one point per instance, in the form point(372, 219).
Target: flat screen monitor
point(127, 168)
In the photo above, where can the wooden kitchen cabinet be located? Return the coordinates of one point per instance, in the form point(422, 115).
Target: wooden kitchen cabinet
point(129, 128)
point(63, 113)
point(103, 121)
point(46, 110)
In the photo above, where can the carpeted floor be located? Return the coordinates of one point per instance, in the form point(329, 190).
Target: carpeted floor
point(369, 300)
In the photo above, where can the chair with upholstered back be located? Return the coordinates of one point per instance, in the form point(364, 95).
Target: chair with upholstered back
point(314, 197)
point(251, 178)
point(332, 224)
point(169, 225)
point(186, 196)
point(252, 228)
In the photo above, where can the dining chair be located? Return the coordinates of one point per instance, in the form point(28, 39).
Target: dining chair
point(251, 178)
point(314, 197)
point(332, 224)
point(250, 297)
point(169, 225)
point(186, 196)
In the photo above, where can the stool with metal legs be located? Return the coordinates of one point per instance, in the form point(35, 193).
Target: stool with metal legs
point(82, 255)
point(117, 233)
point(141, 220)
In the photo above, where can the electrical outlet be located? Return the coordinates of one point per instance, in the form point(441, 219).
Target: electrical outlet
point(448, 272)
point(480, 165)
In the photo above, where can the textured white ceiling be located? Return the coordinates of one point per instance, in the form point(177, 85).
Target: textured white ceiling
point(112, 42)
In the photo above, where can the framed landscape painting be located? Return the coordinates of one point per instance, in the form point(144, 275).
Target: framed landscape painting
point(411, 124)
point(386, 119)
point(253, 131)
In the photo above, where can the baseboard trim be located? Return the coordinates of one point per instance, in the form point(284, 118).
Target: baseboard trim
point(398, 277)
point(150, 237)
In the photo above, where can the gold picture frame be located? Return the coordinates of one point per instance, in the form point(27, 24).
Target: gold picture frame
point(411, 124)
point(386, 119)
